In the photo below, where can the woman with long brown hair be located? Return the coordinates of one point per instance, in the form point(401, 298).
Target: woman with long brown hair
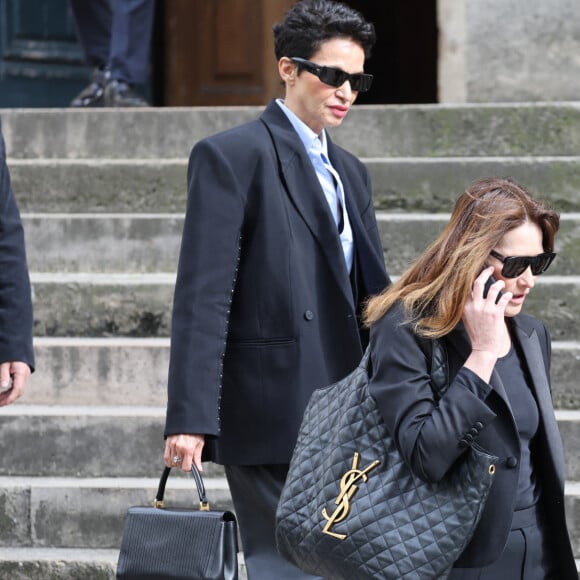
point(468, 290)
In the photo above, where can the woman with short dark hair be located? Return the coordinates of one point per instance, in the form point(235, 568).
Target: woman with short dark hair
point(280, 250)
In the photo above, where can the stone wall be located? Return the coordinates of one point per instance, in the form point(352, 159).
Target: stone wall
point(509, 50)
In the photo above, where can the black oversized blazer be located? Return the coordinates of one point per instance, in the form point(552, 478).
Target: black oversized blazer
point(431, 437)
point(263, 310)
point(15, 295)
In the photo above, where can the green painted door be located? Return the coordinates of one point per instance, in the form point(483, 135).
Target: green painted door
point(40, 59)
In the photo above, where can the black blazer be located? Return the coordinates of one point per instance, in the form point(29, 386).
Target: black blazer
point(263, 309)
point(431, 437)
point(15, 294)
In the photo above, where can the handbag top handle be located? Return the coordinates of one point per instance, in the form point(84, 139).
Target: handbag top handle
point(203, 503)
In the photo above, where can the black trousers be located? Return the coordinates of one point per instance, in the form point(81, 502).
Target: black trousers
point(527, 555)
point(255, 491)
point(116, 34)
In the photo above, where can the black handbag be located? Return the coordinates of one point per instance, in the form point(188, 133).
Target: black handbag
point(352, 509)
point(166, 544)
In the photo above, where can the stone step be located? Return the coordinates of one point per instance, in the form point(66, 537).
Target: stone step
point(56, 512)
point(406, 235)
point(45, 514)
point(70, 441)
point(82, 441)
point(569, 426)
point(139, 305)
point(65, 564)
point(102, 304)
point(133, 371)
point(102, 242)
point(143, 243)
point(87, 442)
point(99, 371)
point(370, 130)
point(572, 503)
point(399, 184)
point(57, 564)
point(433, 185)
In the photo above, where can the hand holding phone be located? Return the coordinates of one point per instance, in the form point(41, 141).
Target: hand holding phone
point(491, 280)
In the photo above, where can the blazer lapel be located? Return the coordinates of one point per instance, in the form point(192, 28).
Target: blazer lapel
point(303, 187)
point(534, 356)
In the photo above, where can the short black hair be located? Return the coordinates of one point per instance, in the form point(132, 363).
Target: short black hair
point(310, 23)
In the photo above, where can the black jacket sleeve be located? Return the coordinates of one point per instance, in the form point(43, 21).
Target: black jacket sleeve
point(15, 294)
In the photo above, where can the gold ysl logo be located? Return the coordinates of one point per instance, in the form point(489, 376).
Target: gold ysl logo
point(347, 490)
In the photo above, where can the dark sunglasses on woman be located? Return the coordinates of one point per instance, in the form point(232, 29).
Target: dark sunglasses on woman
point(514, 266)
point(336, 77)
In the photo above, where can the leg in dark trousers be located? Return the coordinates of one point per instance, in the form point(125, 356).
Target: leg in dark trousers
point(116, 40)
point(94, 20)
point(131, 40)
point(256, 491)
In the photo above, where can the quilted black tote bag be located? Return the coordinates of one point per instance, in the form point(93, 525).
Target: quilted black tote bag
point(352, 509)
point(169, 544)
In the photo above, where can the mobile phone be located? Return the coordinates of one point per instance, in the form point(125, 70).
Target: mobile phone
point(491, 280)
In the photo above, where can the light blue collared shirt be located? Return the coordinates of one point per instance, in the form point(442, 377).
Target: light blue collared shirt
point(329, 178)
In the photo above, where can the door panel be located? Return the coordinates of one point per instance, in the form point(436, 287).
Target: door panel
point(221, 53)
point(41, 63)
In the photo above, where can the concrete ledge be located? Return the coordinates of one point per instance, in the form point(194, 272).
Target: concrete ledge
point(564, 374)
point(79, 513)
point(433, 185)
point(66, 564)
point(133, 372)
point(406, 235)
point(100, 185)
point(83, 442)
point(40, 564)
point(569, 426)
point(140, 305)
point(82, 304)
point(155, 133)
point(71, 441)
point(85, 242)
point(92, 371)
point(72, 243)
point(370, 130)
point(399, 184)
point(572, 500)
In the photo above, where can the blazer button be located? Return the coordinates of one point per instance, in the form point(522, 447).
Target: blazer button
point(479, 425)
point(474, 432)
point(309, 315)
point(469, 437)
point(463, 443)
point(511, 462)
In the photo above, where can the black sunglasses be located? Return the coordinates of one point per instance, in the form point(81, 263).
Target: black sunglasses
point(514, 266)
point(336, 77)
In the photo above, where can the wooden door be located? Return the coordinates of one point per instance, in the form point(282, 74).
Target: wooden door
point(221, 52)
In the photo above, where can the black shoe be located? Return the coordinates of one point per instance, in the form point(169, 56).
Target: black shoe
point(93, 94)
point(121, 94)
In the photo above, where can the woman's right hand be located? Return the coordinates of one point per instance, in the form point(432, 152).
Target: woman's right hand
point(484, 322)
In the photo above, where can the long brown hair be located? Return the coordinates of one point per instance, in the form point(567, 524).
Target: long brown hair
point(434, 289)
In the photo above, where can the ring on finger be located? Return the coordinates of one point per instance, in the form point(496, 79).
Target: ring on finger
point(176, 459)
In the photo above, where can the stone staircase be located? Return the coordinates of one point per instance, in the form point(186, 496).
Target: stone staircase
point(102, 193)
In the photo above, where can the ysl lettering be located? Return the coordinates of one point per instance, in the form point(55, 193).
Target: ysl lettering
point(347, 490)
